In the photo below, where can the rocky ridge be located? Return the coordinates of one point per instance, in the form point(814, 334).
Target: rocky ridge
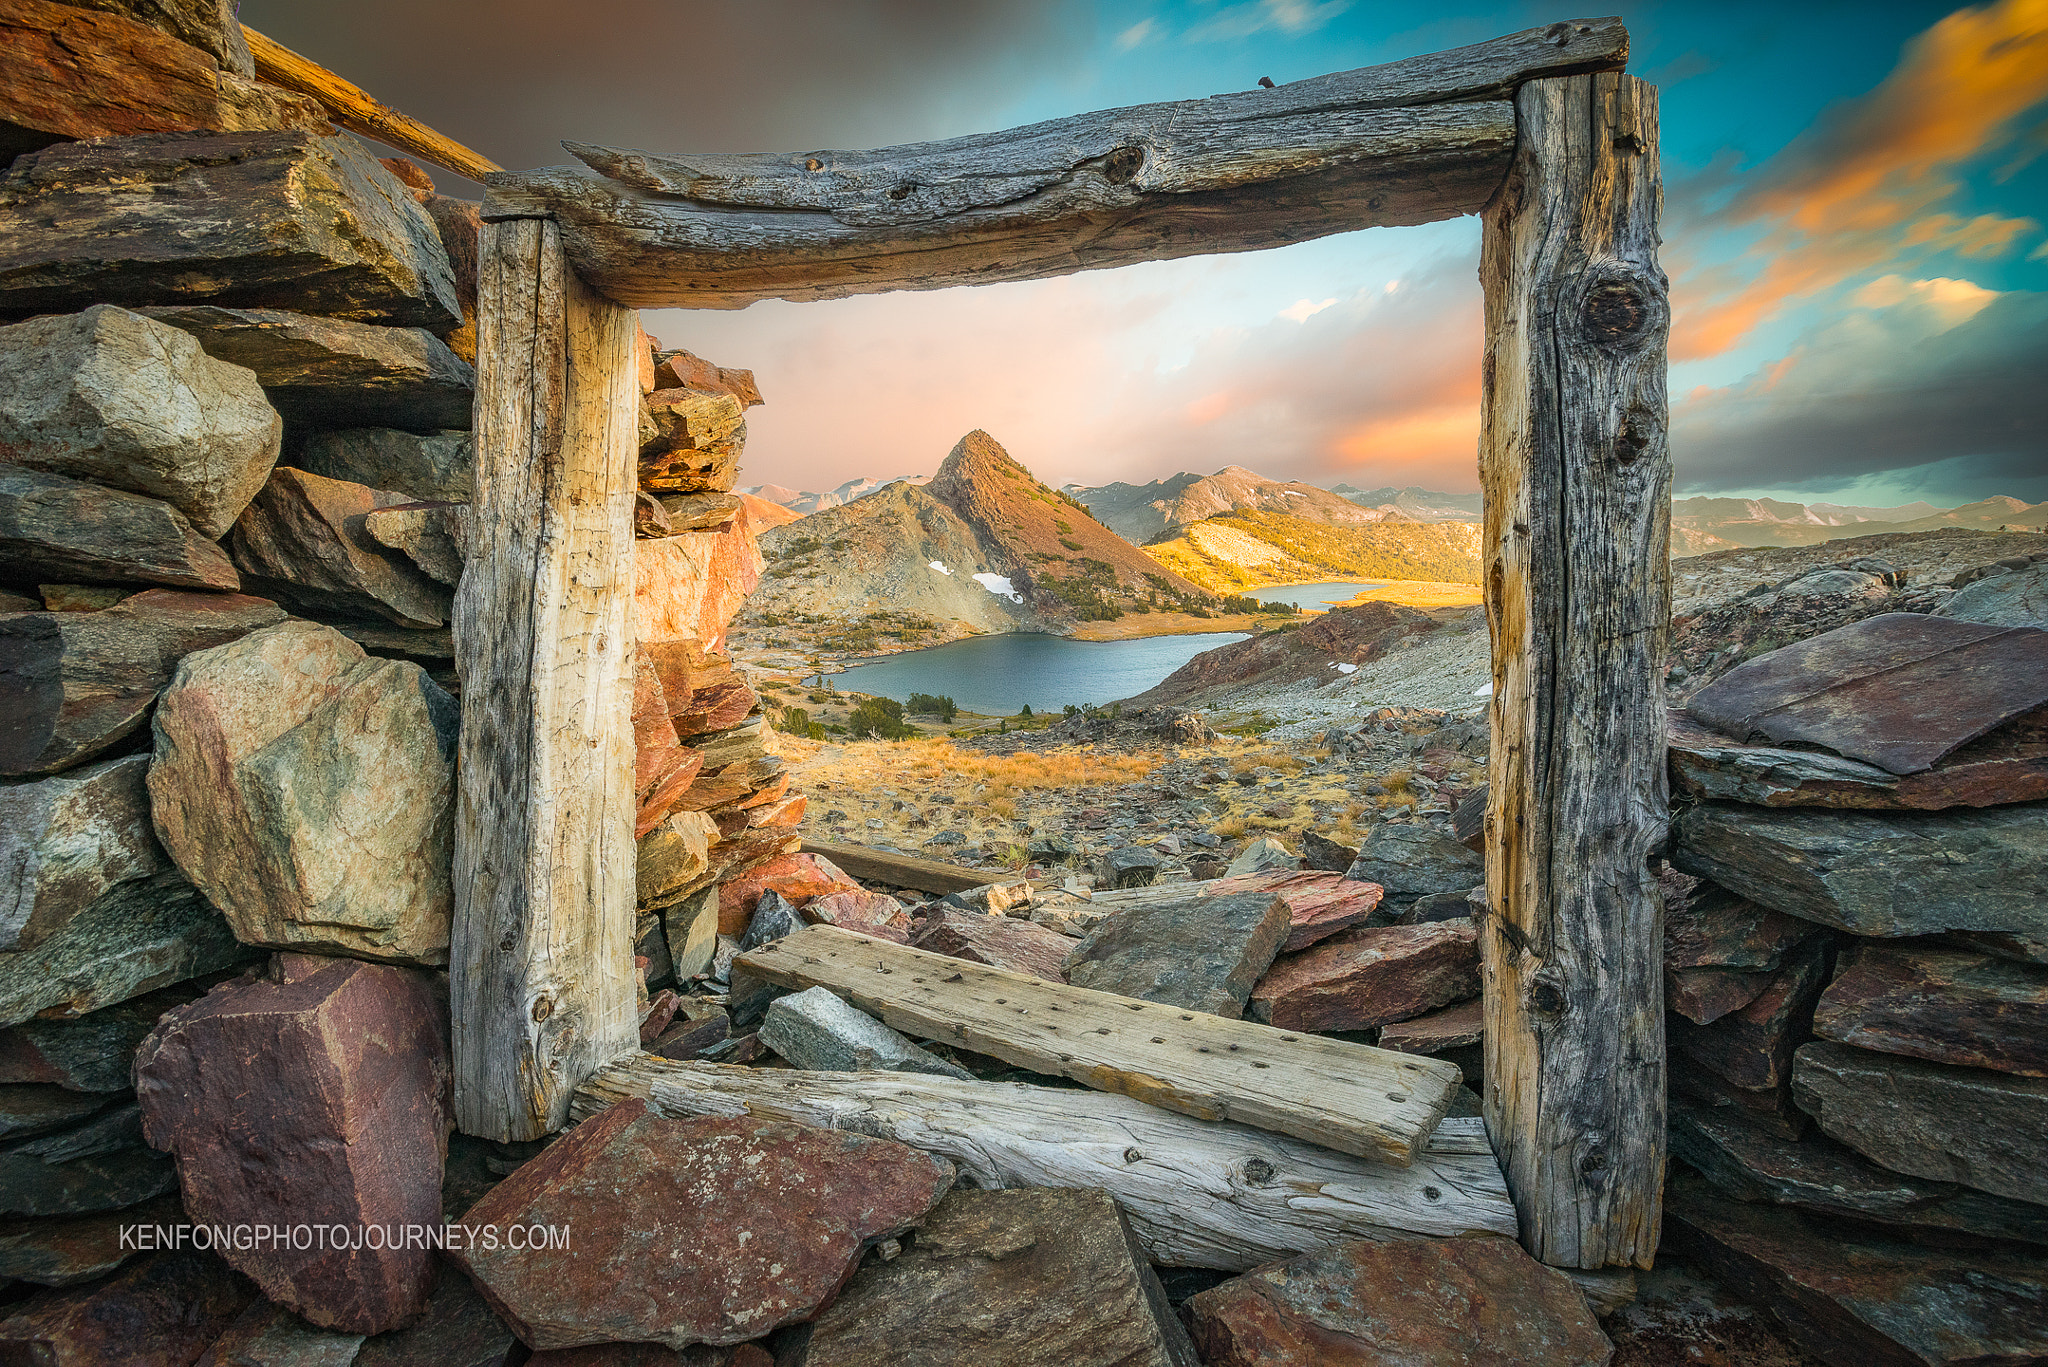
point(1143, 513)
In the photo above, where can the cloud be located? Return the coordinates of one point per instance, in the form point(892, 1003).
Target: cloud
point(1863, 187)
point(1137, 34)
point(1301, 310)
point(1291, 17)
point(514, 80)
point(1926, 371)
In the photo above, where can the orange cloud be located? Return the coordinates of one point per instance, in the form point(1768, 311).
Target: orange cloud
point(1863, 187)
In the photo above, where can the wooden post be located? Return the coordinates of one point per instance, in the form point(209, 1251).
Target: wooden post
point(1576, 469)
point(542, 956)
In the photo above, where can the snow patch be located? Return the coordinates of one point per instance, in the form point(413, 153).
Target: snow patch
point(1343, 668)
point(939, 567)
point(999, 585)
point(1484, 690)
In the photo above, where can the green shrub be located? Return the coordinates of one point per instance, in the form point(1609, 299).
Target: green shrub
point(880, 718)
point(933, 704)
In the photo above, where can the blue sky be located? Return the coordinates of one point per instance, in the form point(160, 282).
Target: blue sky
point(1854, 230)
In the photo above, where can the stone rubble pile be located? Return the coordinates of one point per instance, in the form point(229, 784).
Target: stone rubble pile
point(236, 380)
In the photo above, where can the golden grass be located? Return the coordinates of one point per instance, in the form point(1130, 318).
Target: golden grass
point(1421, 594)
point(1133, 625)
point(1230, 827)
point(937, 765)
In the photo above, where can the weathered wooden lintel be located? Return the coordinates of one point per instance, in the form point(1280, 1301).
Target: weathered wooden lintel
point(1411, 142)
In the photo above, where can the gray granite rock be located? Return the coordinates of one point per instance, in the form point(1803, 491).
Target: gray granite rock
point(2018, 599)
point(815, 1029)
point(111, 397)
point(1415, 861)
point(1264, 855)
point(425, 465)
point(1133, 866)
point(1202, 953)
point(330, 372)
point(434, 536)
point(1878, 873)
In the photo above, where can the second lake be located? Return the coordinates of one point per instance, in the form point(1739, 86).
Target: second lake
point(998, 675)
point(1315, 597)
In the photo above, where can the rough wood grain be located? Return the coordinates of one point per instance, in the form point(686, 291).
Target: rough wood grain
point(1576, 470)
point(897, 870)
point(360, 112)
point(1200, 1193)
point(1411, 142)
point(1348, 1097)
point(541, 961)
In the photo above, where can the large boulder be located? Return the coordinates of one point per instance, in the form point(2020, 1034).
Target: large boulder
point(423, 465)
point(330, 372)
point(142, 935)
point(2015, 599)
point(115, 398)
point(1445, 1302)
point(1029, 1278)
point(67, 842)
point(1202, 953)
point(74, 685)
point(1878, 873)
point(309, 791)
point(330, 1079)
point(1415, 861)
point(303, 540)
point(54, 528)
point(683, 1232)
point(292, 220)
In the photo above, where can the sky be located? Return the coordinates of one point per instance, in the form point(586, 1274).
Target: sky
point(1855, 228)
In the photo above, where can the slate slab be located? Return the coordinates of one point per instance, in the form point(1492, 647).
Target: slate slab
point(100, 1164)
point(1711, 927)
point(1028, 1278)
point(54, 527)
point(1828, 1179)
point(32, 1108)
point(81, 1248)
point(1851, 1298)
point(334, 373)
point(330, 1077)
point(998, 941)
point(287, 219)
point(1370, 975)
point(1446, 1302)
point(459, 1329)
point(1943, 1005)
point(686, 1232)
point(436, 465)
point(89, 1053)
point(1201, 953)
point(144, 935)
point(1964, 1125)
point(1454, 1027)
point(1752, 1047)
point(1879, 874)
point(267, 1335)
point(303, 540)
point(1414, 861)
point(162, 1312)
point(74, 685)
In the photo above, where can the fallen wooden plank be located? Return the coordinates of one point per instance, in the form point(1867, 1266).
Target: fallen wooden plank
point(1349, 1097)
point(360, 112)
point(1199, 1193)
point(900, 870)
point(1415, 141)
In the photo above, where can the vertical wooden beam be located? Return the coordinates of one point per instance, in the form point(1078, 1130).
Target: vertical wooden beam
point(1576, 470)
point(542, 957)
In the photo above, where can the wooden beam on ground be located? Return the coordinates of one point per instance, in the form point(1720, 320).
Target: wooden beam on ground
point(359, 111)
point(1359, 1100)
point(901, 870)
point(1577, 476)
point(1199, 1193)
point(542, 959)
point(1411, 142)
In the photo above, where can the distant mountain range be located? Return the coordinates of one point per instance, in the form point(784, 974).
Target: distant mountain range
point(804, 503)
point(1424, 505)
point(1144, 513)
point(1699, 525)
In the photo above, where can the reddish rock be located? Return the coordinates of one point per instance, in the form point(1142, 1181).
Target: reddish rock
point(1704, 995)
point(271, 1336)
point(315, 1095)
point(1770, 1110)
point(685, 1232)
point(1369, 976)
point(1945, 1005)
point(799, 877)
point(75, 684)
point(1454, 1027)
point(663, 767)
point(998, 941)
point(1442, 1302)
point(80, 1248)
point(867, 913)
point(682, 370)
point(1752, 1048)
point(689, 587)
point(458, 1330)
point(1319, 903)
point(1711, 927)
point(160, 1313)
point(653, 1355)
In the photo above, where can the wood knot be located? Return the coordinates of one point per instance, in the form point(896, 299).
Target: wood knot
point(1121, 167)
point(1615, 311)
point(1547, 1000)
point(1558, 35)
point(813, 164)
point(903, 191)
point(1259, 1172)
